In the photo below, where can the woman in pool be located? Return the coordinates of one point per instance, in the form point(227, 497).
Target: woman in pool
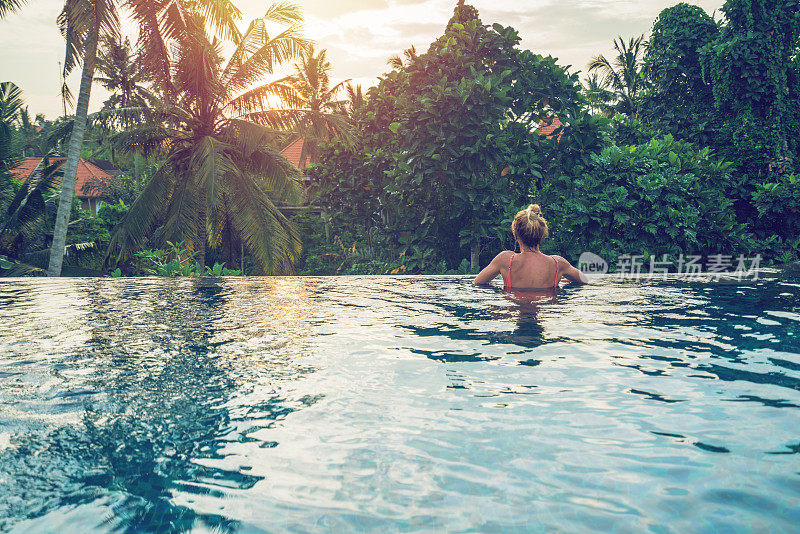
point(530, 270)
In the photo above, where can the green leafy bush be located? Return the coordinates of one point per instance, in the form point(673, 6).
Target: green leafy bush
point(176, 261)
point(663, 197)
point(778, 228)
point(111, 214)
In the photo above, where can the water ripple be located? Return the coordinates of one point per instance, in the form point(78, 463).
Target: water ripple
point(397, 404)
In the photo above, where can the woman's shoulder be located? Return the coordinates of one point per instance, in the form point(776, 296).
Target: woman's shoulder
point(563, 263)
point(504, 257)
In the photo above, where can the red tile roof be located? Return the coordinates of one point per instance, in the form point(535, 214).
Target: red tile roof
point(548, 129)
point(294, 151)
point(87, 174)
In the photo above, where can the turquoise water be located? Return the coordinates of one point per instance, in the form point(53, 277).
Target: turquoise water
point(397, 404)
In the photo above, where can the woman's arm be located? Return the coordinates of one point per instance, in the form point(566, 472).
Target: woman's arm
point(569, 272)
point(493, 269)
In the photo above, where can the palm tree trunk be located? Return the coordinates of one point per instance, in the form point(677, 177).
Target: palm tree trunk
point(73, 155)
point(201, 230)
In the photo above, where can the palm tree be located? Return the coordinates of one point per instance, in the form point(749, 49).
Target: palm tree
point(598, 96)
point(123, 74)
point(22, 206)
point(624, 73)
point(355, 98)
point(84, 23)
point(310, 95)
point(220, 174)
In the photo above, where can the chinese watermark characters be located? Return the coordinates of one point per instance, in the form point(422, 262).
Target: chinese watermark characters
point(683, 267)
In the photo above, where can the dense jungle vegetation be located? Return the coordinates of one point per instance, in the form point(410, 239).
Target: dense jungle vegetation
point(687, 141)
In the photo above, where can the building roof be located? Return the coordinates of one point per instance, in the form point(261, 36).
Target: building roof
point(107, 166)
point(88, 181)
point(547, 129)
point(294, 151)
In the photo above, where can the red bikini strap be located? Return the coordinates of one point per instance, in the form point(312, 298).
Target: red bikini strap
point(555, 281)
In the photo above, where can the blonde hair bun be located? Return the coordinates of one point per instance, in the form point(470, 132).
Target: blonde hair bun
point(529, 226)
point(534, 209)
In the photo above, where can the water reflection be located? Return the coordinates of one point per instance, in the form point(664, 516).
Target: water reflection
point(157, 394)
point(282, 404)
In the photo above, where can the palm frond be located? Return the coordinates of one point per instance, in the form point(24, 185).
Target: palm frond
point(268, 235)
point(222, 16)
point(196, 71)
point(247, 137)
point(24, 269)
point(132, 231)
point(265, 97)
point(333, 91)
point(211, 164)
point(217, 221)
point(395, 61)
point(287, 45)
point(277, 176)
point(305, 122)
point(10, 6)
point(155, 31)
point(11, 101)
point(180, 217)
point(81, 19)
point(253, 39)
point(25, 212)
point(284, 13)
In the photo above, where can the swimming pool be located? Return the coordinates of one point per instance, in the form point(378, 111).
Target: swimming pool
point(397, 404)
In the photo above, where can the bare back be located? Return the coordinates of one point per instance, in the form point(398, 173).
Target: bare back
point(531, 271)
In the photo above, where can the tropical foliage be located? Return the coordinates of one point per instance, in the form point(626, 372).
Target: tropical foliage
point(671, 173)
point(123, 75)
point(220, 176)
point(623, 73)
point(10, 107)
point(176, 260)
point(662, 197)
point(309, 89)
point(683, 141)
point(84, 24)
point(448, 143)
point(10, 6)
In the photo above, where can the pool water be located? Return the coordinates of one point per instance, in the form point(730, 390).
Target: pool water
point(378, 404)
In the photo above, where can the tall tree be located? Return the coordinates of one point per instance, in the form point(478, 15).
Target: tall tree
point(124, 75)
point(84, 23)
point(752, 67)
point(597, 95)
point(465, 116)
point(623, 73)
point(679, 99)
point(309, 88)
point(221, 174)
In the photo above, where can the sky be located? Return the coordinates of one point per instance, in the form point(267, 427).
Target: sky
point(360, 35)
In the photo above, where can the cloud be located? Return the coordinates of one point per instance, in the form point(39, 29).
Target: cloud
point(360, 35)
point(359, 41)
